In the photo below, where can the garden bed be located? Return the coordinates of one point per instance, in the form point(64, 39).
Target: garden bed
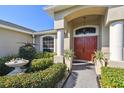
point(42, 73)
point(112, 77)
point(47, 78)
point(45, 57)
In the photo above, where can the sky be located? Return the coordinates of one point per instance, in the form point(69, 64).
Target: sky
point(30, 16)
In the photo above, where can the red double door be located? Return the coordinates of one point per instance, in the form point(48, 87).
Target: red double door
point(84, 47)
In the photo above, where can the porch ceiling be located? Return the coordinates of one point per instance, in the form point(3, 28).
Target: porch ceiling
point(86, 12)
point(89, 20)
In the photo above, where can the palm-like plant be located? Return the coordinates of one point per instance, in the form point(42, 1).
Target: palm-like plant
point(68, 54)
point(99, 56)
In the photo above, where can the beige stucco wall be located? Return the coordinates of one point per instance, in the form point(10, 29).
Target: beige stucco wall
point(75, 12)
point(9, 41)
point(61, 14)
point(80, 8)
point(115, 13)
point(66, 43)
point(104, 37)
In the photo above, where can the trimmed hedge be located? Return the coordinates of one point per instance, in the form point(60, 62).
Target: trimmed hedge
point(3, 68)
point(41, 64)
point(43, 79)
point(112, 77)
point(39, 55)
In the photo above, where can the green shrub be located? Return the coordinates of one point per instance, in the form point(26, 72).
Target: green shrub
point(99, 56)
point(69, 54)
point(112, 77)
point(43, 79)
point(41, 64)
point(27, 52)
point(3, 68)
point(44, 55)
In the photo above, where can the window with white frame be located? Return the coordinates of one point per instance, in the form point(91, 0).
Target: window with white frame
point(86, 30)
point(48, 44)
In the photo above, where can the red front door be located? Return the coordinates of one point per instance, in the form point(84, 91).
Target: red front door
point(84, 47)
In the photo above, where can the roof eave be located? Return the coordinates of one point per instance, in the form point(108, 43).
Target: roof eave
point(45, 32)
point(56, 8)
point(15, 29)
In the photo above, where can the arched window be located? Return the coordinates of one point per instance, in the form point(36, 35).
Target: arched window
point(48, 44)
point(86, 30)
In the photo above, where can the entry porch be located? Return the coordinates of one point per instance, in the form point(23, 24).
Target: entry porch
point(86, 31)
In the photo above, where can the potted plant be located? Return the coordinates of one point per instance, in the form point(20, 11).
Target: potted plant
point(99, 60)
point(68, 55)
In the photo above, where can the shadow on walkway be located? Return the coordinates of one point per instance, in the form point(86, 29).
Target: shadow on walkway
point(81, 66)
point(82, 76)
point(71, 82)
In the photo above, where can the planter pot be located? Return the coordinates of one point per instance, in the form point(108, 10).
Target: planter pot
point(98, 66)
point(68, 63)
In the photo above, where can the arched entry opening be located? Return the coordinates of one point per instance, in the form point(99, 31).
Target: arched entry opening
point(85, 29)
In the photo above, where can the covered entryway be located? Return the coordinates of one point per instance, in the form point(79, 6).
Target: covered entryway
point(84, 29)
point(88, 18)
point(84, 47)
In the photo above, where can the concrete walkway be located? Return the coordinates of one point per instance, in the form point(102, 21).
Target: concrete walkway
point(83, 76)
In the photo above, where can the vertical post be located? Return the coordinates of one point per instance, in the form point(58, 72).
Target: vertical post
point(60, 46)
point(41, 43)
point(116, 41)
point(60, 42)
point(33, 40)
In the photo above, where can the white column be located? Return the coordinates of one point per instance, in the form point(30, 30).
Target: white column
point(41, 43)
point(60, 43)
point(33, 40)
point(55, 44)
point(116, 41)
point(60, 47)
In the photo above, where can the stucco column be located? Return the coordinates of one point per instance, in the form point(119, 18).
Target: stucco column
point(60, 42)
point(60, 46)
point(41, 43)
point(116, 41)
point(33, 36)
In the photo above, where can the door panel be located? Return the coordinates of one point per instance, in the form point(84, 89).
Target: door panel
point(84, 47)
point(78, 48)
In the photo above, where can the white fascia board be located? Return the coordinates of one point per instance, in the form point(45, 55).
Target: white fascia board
point(55, 8)
point(45, 32)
